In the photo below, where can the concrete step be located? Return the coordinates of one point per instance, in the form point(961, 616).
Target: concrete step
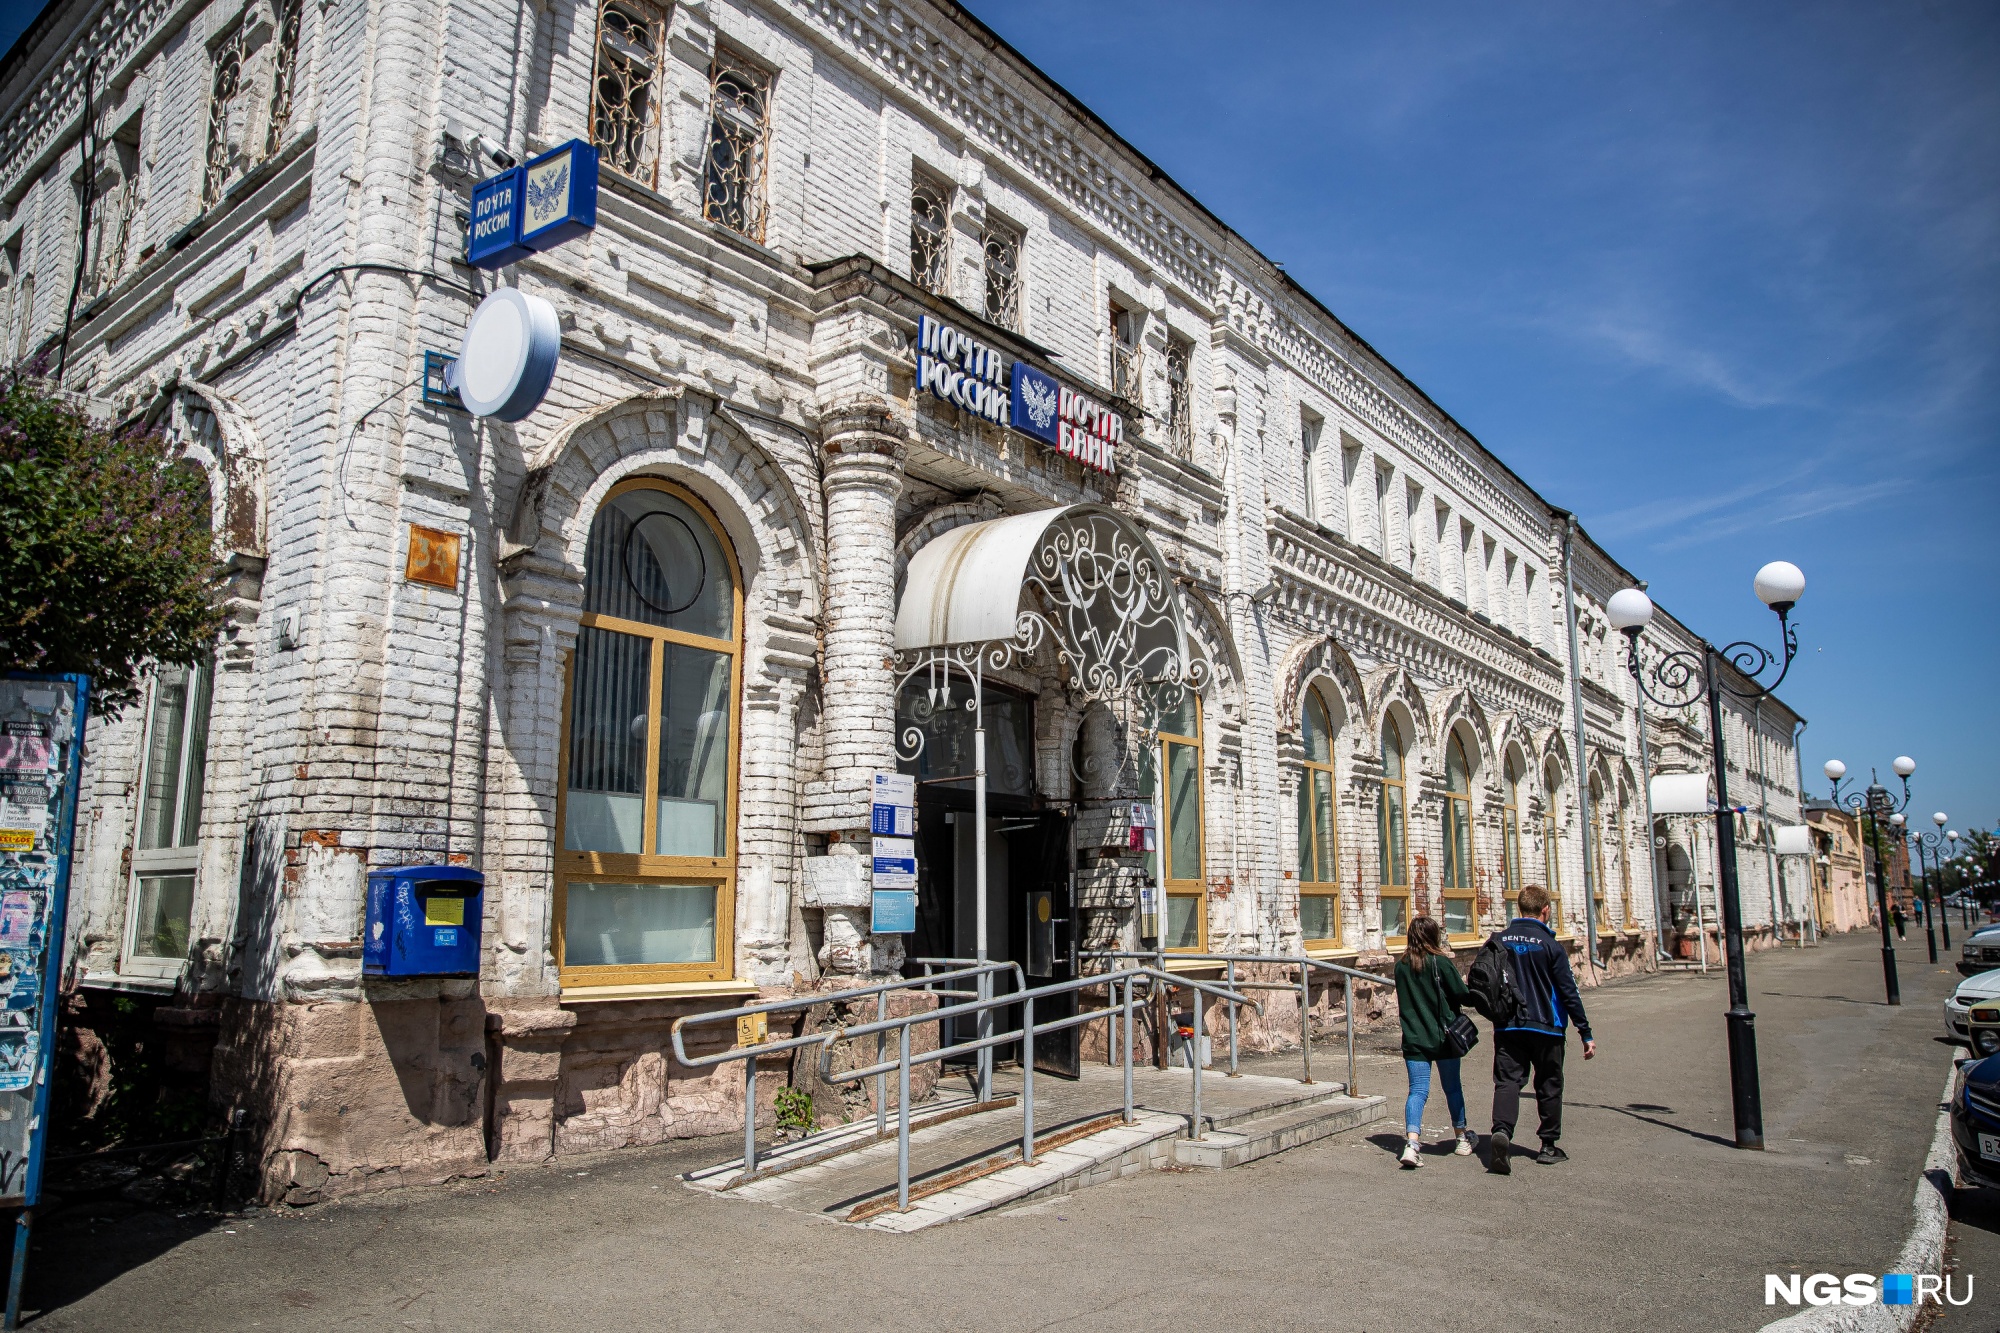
point(1259, 1136)
point(1274, 1103)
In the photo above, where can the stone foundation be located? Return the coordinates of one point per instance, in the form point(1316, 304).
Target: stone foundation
point(359, 1094)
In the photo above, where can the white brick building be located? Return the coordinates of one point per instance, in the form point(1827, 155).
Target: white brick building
point(277, 196)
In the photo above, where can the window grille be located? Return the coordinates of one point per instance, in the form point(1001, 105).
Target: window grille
point(115, 211)
point(251, 94)
point(739, 100)
point(284, 74)
point(930, 235)
point(1001, 245)
point(625, 98)
point(1180, 397)
point(1309, 428)
point(224, 110)
point(1125, 363)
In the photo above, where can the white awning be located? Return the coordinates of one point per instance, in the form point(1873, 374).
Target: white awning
point(1794, 840)
point(1084, 575)
point(1681, 794)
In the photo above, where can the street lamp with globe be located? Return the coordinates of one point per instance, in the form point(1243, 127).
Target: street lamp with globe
point(1683, 677)
point(1879, 807)
point(1931, 867)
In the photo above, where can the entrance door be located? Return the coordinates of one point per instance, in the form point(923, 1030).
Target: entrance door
point(1046, 874)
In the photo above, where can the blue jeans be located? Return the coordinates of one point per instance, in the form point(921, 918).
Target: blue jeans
point(1420, 1092)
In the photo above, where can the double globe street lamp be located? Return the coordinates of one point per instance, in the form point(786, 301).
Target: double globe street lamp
point(1879, 807)
point(1932, 870)
point(1684, 677)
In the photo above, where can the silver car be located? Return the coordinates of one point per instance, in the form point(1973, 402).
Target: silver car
point(1980, 992)
point(1981, 952)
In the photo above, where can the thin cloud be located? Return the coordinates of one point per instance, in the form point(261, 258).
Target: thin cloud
point(1814, 503)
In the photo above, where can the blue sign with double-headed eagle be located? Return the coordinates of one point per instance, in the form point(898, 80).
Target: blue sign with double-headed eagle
point(560, 189)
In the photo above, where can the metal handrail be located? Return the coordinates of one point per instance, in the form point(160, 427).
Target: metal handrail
point(1348, 976)
point(749, 1055)
point(1026, 1034)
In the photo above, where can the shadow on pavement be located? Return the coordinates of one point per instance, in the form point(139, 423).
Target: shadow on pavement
point(73, 1253)
point(1636, 1109)
point(1840, 999)
point(1973, 1207)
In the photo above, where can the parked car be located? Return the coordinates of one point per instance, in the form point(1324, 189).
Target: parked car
point(1975, 1123)
point(1981, 952)
point(1977, 992)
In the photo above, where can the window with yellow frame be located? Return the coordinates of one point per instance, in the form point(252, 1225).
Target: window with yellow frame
point(1185, 926)
point(1456, 881)
point(1319, 887)
point(1393, 843)
point(1625, 868)
point(646, 815)
point(1552, 849)
point(1510, 836)
point(1594, 833)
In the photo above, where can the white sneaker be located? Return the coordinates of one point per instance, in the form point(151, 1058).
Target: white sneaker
point(1409, 1159)
point(1465, 1144)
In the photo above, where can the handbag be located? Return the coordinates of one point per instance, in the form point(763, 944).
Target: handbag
point(1461, 1034)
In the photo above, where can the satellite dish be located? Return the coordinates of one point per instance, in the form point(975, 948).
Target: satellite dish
point(508, 357)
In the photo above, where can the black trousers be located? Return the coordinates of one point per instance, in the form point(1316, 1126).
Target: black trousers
point(1514, 1055)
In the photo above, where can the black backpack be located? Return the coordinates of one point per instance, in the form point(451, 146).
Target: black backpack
point(1491, 982)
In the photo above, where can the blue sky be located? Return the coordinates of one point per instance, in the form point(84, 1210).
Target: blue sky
point(1723, 279)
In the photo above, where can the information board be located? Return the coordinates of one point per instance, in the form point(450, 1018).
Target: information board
point(41, 750)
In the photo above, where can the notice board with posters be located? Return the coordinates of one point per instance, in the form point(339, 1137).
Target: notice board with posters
point(41, 754)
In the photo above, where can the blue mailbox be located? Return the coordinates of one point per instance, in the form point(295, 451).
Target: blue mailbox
point(423, 921)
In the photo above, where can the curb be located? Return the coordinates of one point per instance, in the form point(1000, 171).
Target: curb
point(1923, 1252)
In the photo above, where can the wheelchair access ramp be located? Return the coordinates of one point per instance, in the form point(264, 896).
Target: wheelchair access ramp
point(964, 1160)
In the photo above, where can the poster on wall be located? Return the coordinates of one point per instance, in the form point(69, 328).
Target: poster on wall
point(41, 753)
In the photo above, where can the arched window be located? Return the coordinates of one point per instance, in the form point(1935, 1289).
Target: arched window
point(1457, 879)
point(1624, 865)
point(645, 882)
point(1319, 888)
point(1394, 840)
point(1552, 847)
point(1510, 833)
point(1186, 924)
point(1595, 834)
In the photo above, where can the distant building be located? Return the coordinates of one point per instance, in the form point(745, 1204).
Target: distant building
point(1841, 884)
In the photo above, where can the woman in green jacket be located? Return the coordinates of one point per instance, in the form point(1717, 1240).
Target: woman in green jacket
point(1429, 993)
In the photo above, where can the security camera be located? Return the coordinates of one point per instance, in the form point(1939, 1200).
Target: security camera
point(499, 156)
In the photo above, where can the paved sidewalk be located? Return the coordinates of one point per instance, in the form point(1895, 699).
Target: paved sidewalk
point(1657, 1223)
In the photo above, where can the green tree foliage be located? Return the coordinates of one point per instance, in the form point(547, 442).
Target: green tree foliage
point(105, 555)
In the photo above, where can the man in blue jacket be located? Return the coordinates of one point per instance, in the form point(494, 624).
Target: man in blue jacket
point(1536, 1036)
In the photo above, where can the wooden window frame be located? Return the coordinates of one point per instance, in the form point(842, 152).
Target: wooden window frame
point(643, 867)
point(1400, 889)
point(1600, 902)
point(1552, 863)
point(1461, 804)
point(1510, 840)
point(1309, 855)
point(178, 857)
point(1625, 866)
point(1171, 887)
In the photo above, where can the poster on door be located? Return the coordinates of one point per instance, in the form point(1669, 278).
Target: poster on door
point(41, 749)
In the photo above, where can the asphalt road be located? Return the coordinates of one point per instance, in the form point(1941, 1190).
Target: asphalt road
point(1657, 1222)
